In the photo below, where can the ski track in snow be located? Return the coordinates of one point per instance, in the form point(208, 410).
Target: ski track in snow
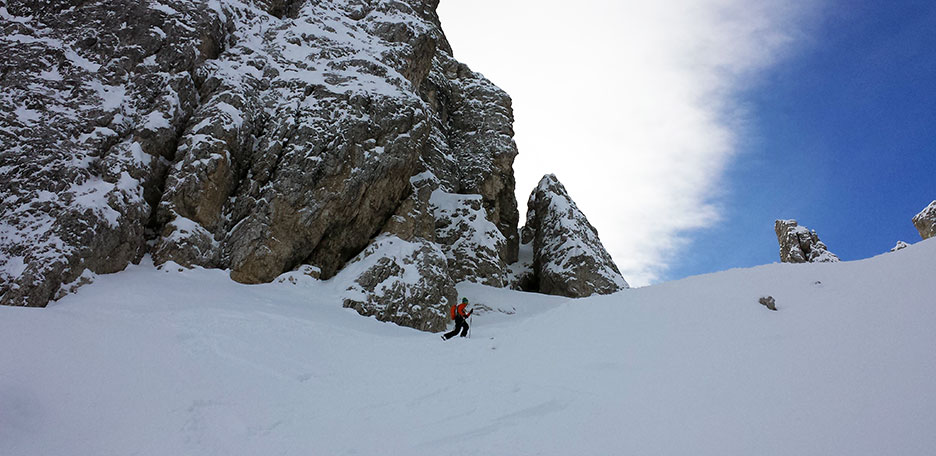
point(156, 362)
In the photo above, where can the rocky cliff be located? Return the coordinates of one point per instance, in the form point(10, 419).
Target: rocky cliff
point(252, 135)
point(798, 244)
point(925, 221)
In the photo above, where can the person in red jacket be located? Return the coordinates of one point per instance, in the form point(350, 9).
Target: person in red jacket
point(460, 316)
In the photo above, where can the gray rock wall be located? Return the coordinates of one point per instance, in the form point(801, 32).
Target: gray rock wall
point(256, 136)
point(93, 98)
point(476, 150)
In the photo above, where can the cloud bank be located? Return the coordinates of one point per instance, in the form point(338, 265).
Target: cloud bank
point(634, 105)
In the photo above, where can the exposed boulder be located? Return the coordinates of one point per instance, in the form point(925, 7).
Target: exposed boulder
point(404, 282)
point(900, 246)
point(568, 257)
point(768, 302)
point(925, 221)
point(801, 245)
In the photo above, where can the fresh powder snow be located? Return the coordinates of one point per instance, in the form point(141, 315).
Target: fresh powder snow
point(176, 361)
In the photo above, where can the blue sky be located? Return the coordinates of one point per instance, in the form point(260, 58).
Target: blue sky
point(684, 128)
point(842, 137)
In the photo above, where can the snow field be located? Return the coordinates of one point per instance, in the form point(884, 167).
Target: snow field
point(157, 362)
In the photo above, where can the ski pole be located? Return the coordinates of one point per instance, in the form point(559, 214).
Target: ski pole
point(470, 317)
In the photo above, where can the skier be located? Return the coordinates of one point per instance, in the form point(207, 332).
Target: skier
point(458, 314)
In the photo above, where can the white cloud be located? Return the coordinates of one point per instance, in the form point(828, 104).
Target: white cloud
point(631, 103)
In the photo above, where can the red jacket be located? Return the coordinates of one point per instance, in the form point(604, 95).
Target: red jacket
point(459, 310)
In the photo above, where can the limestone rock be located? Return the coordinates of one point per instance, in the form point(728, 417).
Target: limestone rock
point(315, 181)
point(768, 302)
point(473, 147)
point(414, 217)
point(306, 144)
point(568, 257)
point(404, 282)
point(472, 244)
point(93, 96)
point(244, 135)
point(801, 245)
point(925, 221)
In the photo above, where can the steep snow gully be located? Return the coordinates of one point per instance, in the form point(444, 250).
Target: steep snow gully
point(156, 361)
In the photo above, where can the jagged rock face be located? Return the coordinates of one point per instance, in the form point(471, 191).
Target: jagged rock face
point(474, 117)
point(925, 221)
point(92, 98)
point(568, 257)
point(472, 243)
point(306, 146)
point(256, 136)
point(801, 245)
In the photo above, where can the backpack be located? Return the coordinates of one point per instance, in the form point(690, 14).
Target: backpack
point(453, 311)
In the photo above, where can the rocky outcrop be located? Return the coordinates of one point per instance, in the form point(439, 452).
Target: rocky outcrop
point(406, 282)
point(337, 138)
point(925, 221)
point(900, 246)
point(568, 257)
point(801, 245)
point(768, 302)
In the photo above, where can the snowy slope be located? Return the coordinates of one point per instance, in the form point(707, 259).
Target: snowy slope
point(154, 362)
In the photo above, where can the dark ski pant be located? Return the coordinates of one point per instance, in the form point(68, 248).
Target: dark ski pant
point(460, 325)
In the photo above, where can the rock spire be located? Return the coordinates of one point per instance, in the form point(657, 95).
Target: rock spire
point(568, 257)
point(798, 244)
